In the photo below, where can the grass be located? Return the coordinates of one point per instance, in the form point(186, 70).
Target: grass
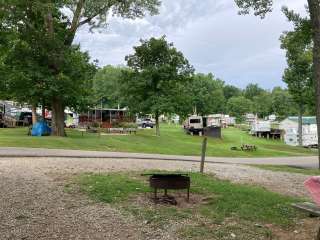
point(224, 199)
point(227, 207)
point(173, 141)
point(275, 168)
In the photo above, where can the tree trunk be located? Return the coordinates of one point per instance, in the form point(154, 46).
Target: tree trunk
point(43, 112)
point(58, 118)
point(157, 125)
point(300, 133)
point(314, 8)
point(34, 114)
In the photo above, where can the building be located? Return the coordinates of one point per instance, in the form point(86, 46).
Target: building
point(291, 133)
point(104, 117)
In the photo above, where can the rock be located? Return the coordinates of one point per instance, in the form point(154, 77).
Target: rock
point(258, 225)
point(233, 235)
point(146, 222)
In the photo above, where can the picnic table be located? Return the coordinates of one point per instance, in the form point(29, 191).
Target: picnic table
point(247, 147)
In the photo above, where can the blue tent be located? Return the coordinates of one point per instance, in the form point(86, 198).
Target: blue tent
point(40, 129)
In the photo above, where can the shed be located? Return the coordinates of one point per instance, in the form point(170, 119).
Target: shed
point(213, 131)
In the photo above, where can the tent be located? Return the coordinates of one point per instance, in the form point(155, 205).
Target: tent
point(40, 129)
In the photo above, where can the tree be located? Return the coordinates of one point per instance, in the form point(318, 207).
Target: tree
point(206, 94)
point(50, 26)
point(262, 104)
point(298, 74)
point(29, 82)
point(157, 71)
point(107, 86)
point(253, 90)
point(239, 106)
point(262, 7)
point(282, 103)
point(230, 91)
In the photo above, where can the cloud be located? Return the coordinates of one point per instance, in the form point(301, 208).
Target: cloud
point(237, 49)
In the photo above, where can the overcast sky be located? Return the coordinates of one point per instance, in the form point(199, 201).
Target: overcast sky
point(210, 33)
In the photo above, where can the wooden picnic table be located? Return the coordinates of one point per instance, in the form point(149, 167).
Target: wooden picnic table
point(247, 147)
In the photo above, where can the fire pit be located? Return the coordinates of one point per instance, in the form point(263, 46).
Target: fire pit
point(169, 182)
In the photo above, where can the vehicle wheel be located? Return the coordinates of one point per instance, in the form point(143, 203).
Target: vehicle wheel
point(144, 125)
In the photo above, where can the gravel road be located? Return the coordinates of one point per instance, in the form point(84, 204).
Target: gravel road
point(34, 204)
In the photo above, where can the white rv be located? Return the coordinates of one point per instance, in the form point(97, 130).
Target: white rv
point(291, 133)
point(195, 125)
point(260, 126)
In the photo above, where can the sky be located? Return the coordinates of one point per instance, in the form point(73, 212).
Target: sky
point(212, 36)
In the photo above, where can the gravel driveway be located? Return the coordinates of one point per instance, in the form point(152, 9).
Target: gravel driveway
point(34, 204)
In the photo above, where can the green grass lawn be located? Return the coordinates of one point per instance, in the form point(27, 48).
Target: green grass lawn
point(173, 140)
point(275, 168)
point(214, 218)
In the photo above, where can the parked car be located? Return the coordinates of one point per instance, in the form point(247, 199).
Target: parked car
point(146, 122)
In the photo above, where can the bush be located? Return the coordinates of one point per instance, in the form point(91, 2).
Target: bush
point(125, 125)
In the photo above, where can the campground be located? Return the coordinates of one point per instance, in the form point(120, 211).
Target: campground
point(173, 141)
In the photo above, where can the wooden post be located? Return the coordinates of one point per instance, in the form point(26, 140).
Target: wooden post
point(203, 154)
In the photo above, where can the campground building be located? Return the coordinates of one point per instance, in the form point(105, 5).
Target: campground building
point(104, 117)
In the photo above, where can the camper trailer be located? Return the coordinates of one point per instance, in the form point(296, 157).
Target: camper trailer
point(198, 125)
point(291, 133)
point(260, 126)
point(195, 125)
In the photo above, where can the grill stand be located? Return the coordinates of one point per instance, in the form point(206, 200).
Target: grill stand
point(166, 196)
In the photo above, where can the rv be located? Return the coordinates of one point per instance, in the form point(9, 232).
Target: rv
point(291, 133)
point(195, 125)
point(201, 126)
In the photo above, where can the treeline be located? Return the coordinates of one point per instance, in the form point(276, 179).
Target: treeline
point(202, 94)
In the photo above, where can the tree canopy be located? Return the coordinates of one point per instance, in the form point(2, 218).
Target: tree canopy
point(44, 31)
point(157, 71)
point(239, 106)
point(107, 86)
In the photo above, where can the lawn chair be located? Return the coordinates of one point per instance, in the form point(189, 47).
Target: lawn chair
point(313, 186)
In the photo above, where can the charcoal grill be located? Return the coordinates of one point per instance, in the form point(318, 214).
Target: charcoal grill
point(169, 182)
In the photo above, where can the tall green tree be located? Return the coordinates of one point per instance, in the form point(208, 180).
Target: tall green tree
point(158, 70)
point(107, 86)
point(230, 91)
point(50, 27)
point(253, 90)
point(262, 7)
point(282, 103)
point(239, 106)
point(206, 94)
point(262, 104)
point(298, 75)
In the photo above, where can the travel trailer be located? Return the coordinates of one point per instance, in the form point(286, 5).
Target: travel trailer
point(198, 125)
point(291, 133)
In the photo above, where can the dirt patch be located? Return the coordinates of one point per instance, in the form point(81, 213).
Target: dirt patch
point(195, 200)
point(305, 229)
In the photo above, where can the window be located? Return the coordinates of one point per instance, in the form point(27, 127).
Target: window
point(195, 121)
